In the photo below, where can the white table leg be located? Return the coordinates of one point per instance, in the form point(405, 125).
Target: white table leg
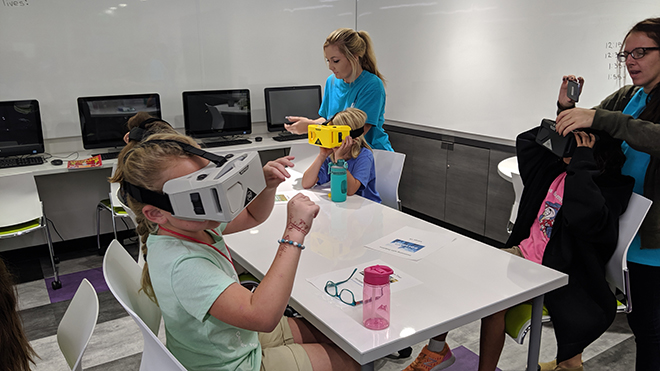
point(535, 334)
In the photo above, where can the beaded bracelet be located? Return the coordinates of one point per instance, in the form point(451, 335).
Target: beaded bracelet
point(296, 244)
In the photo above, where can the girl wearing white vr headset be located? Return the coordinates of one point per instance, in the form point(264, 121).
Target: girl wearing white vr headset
point(212, 322)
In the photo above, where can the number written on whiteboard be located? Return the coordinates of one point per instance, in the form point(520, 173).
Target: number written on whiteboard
point(14, 3)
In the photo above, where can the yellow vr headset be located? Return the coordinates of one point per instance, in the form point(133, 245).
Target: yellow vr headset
point(330, 136)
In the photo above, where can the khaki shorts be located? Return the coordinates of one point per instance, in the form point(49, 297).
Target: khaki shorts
point(279, 352)
point(515, 250)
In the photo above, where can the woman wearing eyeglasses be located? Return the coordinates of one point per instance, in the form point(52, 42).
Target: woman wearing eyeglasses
point(632, 114)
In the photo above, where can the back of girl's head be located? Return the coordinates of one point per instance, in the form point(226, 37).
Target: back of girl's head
point(16, 354)
point(650, 27)
point(356, 119)
point(145, 165)
point(357, 47)
point(151, 128)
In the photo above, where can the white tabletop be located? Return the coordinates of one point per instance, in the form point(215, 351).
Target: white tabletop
point(461, 282)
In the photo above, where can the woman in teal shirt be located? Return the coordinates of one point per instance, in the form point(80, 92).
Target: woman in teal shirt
point(355, 82)
point(633, 115)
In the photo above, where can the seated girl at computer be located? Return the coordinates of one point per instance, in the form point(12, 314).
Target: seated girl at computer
point(361, 173)
point(355, 82)
point(213, 322)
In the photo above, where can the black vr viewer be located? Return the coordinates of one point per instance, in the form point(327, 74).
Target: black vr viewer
point(548, 137)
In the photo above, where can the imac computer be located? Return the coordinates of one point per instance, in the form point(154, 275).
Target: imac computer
point(103, 119)
point(217, 116)
point(20, 128)
point(285, 101)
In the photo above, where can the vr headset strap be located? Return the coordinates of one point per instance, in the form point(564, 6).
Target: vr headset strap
point(354, 133)
point(148, 197)
point(138, 133)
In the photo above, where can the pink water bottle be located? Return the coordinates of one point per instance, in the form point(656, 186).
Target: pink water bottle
point(376, 297)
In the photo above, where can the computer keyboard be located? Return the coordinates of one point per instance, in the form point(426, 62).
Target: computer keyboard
point(108, 155)
point(21, 161)
point(222, 143)
point(287, 137)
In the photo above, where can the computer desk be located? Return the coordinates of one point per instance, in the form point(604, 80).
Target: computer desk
point(461, 282)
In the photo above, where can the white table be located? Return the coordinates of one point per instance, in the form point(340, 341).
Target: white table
point(461, 282)
point(508, 166)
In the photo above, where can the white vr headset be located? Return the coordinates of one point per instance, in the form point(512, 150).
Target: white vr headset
point(218, 192)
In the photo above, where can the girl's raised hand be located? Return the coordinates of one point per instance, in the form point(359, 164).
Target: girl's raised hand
point(344, 151)
point(584, 139)
point(275, 171)
point(301, 211)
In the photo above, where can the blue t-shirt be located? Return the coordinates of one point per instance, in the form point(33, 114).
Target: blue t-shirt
point(635, 166)
point(363, 169)
point(366, 93)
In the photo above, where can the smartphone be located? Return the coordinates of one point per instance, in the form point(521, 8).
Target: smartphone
point(573, 91)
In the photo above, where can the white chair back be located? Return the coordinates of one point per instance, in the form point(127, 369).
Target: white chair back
point(19, 199)
point(304, 154)
point(516, 180)
point(617, 268)
point(389, 166)
point(77, 324)
point(122, 275)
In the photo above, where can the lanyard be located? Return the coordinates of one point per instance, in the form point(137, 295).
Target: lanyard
point(202, 242)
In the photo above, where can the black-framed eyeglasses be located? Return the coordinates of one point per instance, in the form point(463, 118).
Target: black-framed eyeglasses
point(345, 295)
point(636, 53)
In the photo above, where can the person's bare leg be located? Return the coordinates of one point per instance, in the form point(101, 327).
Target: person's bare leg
point(323, 354)
point(573, 362)
point(491, 341)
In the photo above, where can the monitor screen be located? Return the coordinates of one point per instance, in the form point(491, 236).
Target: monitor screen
point(302, 101)
point(20, 128)
point(103, 119)
point(216, 113)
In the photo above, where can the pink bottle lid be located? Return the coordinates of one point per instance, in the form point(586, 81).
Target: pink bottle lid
point(377, 274)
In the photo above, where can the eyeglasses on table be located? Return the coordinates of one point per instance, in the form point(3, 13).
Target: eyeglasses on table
point(345, 295)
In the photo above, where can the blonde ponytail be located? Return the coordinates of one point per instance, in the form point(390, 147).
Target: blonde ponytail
point(357, 47)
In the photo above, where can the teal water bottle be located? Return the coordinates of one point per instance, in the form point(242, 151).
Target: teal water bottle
point(338, 180)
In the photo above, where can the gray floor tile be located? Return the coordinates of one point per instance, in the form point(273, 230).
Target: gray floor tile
point(32, 294)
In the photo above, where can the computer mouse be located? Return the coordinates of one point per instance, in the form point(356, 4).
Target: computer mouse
point(258, 139)
point(56, 162)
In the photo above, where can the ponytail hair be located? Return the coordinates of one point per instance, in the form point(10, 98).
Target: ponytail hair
point(358, 49)
point(354, 118)
point(143, 164)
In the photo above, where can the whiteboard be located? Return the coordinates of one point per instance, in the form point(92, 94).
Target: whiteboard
point(58, 50)
point(494, 67)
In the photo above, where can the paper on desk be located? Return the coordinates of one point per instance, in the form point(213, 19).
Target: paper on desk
point(284, 197)
point(399, 280)
point(412, 243)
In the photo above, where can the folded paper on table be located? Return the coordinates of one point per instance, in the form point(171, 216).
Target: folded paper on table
point(412, 243)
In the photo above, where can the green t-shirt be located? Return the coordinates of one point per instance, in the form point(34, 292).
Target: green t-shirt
point(187, 278)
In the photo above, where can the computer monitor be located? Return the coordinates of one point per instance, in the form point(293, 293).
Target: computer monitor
point(20, 128)
point(217, 113)
point(285, 101)
point(103, 119)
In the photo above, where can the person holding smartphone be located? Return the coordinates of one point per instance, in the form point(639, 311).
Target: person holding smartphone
point(632, 114)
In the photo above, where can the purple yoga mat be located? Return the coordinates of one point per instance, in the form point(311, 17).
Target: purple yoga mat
point(70, 283)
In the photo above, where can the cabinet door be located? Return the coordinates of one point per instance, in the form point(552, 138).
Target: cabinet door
point(422, 186)
point(467, 185)
point(500, 199)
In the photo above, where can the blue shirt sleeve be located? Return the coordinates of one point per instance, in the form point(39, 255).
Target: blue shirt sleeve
point(324, 177)
point(371, 100)
point(360, 168)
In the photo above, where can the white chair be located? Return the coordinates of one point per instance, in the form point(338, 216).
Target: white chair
point(77, 324)
point(22, 212)
point(123, 275)
point(616, 270)
point(518, 187)
point(389, 166)
point(116, 209)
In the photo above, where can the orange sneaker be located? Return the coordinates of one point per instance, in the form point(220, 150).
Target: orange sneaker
point(432, 361)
